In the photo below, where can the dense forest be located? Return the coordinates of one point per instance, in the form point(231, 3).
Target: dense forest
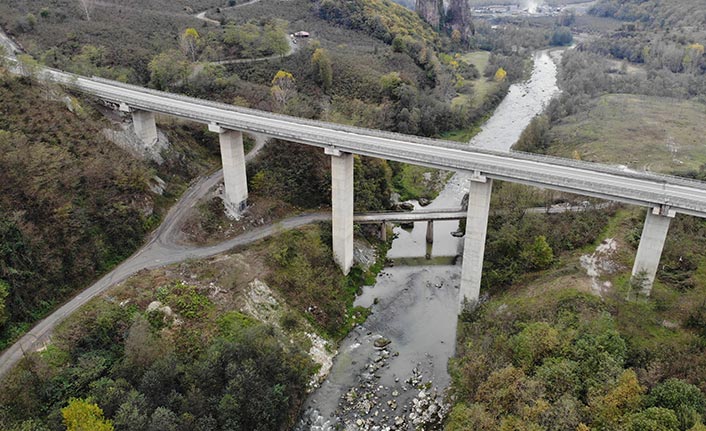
point(220, 351)
point(548, 352)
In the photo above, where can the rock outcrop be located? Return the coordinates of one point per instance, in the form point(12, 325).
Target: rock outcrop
point(430, 11)
point(447, 15)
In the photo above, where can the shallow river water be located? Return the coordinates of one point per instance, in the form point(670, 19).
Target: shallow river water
point(400, 386)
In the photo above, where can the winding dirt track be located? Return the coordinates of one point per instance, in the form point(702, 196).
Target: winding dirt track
point(162, 249)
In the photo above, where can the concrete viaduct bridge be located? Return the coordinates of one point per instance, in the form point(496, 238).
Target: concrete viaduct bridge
point(664, 196)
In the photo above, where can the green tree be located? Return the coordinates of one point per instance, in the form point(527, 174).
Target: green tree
point(398, 44)
point(389, 83)
point(131, 415)
point(653, 419)
point(3, 57)
point(534, 139)
point(30, 425)
point(31, 20)
point(81, 415)
point(623, 398)
point(559, 376)
point(508, 391)
point(686, 400)
point(275, 39)
point(562, 36)
point(514, 423)
point(163, 419)
point(474, 417)
point(563, 415)
point(242, 37)
point(168, 69)
point(538, 254)
point(536, 341)
point(322, 69)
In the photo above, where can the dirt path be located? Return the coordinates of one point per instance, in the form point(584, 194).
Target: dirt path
point(162, 249)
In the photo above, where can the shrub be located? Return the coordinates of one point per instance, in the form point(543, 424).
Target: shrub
point(686, 400)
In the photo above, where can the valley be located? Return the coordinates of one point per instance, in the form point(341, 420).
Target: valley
point(217, 323)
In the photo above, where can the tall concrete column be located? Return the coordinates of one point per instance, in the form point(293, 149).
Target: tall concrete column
point(342, 207)
point(474, 241)
point(430, 231)
point(145, 126)
point(649, 252)
point(383, 231)
point(234, 175)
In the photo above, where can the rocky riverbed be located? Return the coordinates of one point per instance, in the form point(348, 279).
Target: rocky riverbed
point(390, 373)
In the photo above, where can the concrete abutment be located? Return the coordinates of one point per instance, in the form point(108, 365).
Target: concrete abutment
point(145, 126)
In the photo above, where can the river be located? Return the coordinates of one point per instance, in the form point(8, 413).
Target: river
point(400, 386)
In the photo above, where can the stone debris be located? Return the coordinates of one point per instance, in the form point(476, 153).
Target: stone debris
point(370, 406)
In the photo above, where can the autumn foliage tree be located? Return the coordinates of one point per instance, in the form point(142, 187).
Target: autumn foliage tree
point(81, 415)
point(189, 43)
point(283, 88)
point(500, 75)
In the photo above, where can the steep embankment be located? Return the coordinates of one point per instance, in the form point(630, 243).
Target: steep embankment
point(72, 204)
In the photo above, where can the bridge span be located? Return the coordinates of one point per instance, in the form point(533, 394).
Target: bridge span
point(664, 196)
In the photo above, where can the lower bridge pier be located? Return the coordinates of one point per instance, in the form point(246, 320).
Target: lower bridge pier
point(474, 241)
point(234, 175)
point(342, 207)
point(649, 252)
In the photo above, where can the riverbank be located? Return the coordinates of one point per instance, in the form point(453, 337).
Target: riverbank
point(401, 386)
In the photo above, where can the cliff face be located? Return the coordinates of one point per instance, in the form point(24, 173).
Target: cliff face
point(458, 17)
point(430, 11)
point(447, 15)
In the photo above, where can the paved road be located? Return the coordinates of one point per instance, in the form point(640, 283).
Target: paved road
point(572, 176)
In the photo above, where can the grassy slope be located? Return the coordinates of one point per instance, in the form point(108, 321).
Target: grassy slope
point(482, 86)
point(642, 132)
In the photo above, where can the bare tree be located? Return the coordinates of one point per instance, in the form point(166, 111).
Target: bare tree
point(87, 6)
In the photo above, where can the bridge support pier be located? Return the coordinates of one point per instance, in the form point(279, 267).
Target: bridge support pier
point(383, 232)
point(342, 207)
point(234, 175)
point(649, 252)
point(474, 241)
point(430, 232)
point(145, 126)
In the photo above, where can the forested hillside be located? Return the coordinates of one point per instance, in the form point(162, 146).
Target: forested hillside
point(202, 345)
point(72, 203)
point(571, 349)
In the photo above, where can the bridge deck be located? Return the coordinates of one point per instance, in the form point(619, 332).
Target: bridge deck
point(589, 179)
